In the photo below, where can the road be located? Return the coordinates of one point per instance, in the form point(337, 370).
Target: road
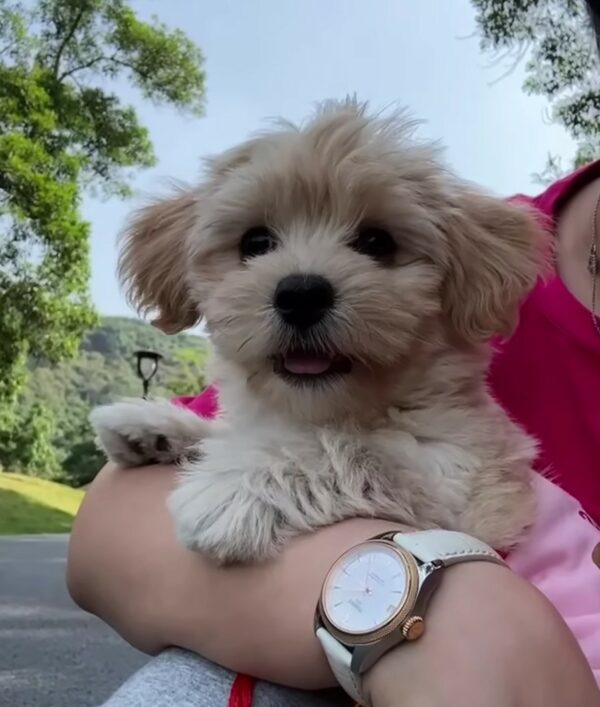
point(51, 653)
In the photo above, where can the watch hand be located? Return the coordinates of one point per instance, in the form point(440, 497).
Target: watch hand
point(350, 589)
point(351, 577)
point(368, 571)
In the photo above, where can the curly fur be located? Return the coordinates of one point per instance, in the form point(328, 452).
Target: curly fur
point(411, 434)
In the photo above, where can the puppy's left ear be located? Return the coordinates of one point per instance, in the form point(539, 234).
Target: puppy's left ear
point(498, 249)
point(153, 261)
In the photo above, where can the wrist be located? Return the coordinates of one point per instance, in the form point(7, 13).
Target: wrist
point(462, 614)
point(491, 640)
point(279, 601)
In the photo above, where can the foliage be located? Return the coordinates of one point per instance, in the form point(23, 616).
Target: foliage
point(58, 397)
point(61, 131)
point(29, 505)
point(562, 63)
point(182, 378)
point(28, 442)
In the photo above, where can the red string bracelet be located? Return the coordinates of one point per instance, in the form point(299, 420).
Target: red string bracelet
point(241, 691)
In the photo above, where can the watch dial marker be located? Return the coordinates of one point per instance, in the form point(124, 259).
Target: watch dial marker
point(376, 577)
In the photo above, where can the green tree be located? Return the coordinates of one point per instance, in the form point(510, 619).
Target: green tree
point(83, 459)
point(28, 445)
point(556, 39)
point(186, 376)
point(62, 130)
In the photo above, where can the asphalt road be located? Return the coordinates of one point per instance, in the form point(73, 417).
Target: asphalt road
point(51, 653)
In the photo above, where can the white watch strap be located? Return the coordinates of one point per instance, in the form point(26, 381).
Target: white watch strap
point(448, 546)
point(339, 658)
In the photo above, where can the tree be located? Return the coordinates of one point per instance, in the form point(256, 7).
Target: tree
point(83, 459)
point(28, 445)
point(187, 376)
point(562, 63)
point(62, 131)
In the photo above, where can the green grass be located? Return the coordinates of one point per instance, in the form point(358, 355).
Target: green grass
point(30, 505)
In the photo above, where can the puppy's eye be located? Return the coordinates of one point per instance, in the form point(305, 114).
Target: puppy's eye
point(377, 243)
point(257, 241)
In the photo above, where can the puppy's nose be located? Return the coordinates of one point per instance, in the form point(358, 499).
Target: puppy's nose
point(303, 300)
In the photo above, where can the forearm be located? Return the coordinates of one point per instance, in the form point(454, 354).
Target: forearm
point(126, 567)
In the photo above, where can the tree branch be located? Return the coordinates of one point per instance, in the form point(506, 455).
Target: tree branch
point(109, 59)
point(66, 40)
point(126, 64)
point(522, 52)
point(8, 47)
point(74, 70)
point(145, 76)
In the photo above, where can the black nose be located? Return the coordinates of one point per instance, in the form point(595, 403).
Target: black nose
point(303, 300)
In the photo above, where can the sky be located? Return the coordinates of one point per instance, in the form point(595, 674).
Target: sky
point(268, 58)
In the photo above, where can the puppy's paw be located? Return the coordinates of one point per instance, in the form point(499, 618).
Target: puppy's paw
point(138, 432)
point(227, 526)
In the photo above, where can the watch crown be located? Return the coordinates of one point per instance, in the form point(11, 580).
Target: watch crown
point(413, 628)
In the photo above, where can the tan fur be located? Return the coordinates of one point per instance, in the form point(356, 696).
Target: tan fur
point(412, 433)
point(497, 252)
point(152, 261)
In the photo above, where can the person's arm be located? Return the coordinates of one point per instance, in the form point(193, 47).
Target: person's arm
point(126, 567)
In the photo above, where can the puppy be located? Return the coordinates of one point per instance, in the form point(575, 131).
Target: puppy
point(350, 285)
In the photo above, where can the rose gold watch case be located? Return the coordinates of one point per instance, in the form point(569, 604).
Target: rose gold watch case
point(368, 647)
point(399, 616)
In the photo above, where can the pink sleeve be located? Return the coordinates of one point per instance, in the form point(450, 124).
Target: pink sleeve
point(205, 405)
point(556, 557)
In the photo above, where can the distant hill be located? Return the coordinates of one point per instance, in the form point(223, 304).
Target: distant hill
point(54, 438)
point(119, 337)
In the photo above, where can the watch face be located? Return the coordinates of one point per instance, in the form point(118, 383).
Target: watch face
point(367, 588)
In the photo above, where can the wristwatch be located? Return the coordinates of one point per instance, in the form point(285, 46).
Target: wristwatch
point(376, 594)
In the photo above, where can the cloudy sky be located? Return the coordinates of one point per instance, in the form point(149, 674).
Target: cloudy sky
point(268, 58)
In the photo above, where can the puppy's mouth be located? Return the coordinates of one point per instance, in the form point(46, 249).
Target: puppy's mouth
point(307, 367)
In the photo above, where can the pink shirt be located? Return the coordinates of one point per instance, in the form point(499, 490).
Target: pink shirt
point(547, 376)
point(556, 556)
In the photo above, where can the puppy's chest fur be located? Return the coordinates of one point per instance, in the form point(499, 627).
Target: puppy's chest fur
point(453, 467)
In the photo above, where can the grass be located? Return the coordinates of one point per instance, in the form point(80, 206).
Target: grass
point(30, 505)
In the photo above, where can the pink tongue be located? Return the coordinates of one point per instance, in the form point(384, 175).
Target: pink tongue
point(300, 364)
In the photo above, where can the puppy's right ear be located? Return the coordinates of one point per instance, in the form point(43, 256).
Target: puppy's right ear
point(153, 260)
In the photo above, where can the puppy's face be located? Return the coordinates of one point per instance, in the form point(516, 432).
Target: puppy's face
point(320, 257)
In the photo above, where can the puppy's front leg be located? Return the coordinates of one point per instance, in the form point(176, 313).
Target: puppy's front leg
point(222, 518)
point(135, 432)
point(238, 505)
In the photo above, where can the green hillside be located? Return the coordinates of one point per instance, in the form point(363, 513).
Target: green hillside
point(50, 435)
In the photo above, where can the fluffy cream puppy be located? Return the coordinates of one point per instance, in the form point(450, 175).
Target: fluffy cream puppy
point(350, 285)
